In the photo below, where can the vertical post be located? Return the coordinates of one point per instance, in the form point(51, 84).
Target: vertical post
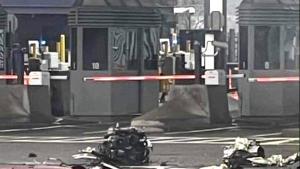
point(251, 47)
point(281, 47)
point(206, 13)
point(34, 54)
point(58, 50)
point(197, 49)
point(190, 20)
point(221, 7)
point(141, 66)
point(232, 57)
point(224, 12)
point(63, 48)
point(79, 48)
point(224, 34)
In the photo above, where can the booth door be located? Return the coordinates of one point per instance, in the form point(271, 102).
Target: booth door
point(133, 53)
point(125, 95)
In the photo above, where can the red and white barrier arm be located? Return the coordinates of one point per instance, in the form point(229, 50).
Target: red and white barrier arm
point(153, 77)
point(139, 78)
point(8, 77)
point(14, 77)
point(273, 79)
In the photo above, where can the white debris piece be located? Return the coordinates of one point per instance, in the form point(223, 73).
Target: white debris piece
point(245, 144)
point(277, 160)
point(241, 144)
point(222, 166)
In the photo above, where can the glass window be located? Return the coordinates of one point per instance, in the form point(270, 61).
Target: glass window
point(267, 48)
point(2, 57)
point(131, 49)
point(151, 48)
point(95, 49)
point(291, 47)
point(124, 49)
point(243, 57)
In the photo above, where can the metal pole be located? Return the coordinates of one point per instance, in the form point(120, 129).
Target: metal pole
point(206, 13)
point(190, 21)
point(231, 51)
point(225, 17)
point(141, 67)
point(197, 49)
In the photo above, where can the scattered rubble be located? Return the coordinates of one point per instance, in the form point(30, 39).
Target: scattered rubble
point(249, 153)
point(275, 160)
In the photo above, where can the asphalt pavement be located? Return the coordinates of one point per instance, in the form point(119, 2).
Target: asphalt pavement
point(196, 148)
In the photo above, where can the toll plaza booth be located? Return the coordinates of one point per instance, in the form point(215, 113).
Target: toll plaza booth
point(269, 57)
point(114, 39)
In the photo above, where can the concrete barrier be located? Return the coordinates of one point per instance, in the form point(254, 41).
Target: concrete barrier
point(40, 104)
point(14, 103)
point(20, 103)
point(189, 107)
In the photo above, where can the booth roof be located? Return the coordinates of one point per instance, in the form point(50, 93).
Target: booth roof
point(270, 4)
point(72, 3)
point(38, 3)
point(130, 3)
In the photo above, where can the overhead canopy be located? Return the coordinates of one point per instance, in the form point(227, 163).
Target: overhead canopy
point(38, 6)
point(270, 4)
point(130, 3)
point(64, 6)
point(257, 12)
point(101, 17)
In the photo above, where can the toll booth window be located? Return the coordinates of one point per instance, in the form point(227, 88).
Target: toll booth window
point(124, 49)
point(2, 54)
point(291, 47)
point(267, 47)
point(151, 48)
point(95, 55)
point(243, 56)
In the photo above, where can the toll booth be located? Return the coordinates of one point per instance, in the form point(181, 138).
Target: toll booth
point(113, 39)
point(269, 57)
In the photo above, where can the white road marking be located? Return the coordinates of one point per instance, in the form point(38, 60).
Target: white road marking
point(282, 141)
point(201, 131)
point(178, 140)
point(215, 140)
point(154, 140)
point(267, 134)
point(37, 128)
point(162, 138)
point(95, 132)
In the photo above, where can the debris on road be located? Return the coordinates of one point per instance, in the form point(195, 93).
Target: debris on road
point(222, 166)
point(122, 146)
point(249, 153)
point(238, 154)
point(277, 160)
